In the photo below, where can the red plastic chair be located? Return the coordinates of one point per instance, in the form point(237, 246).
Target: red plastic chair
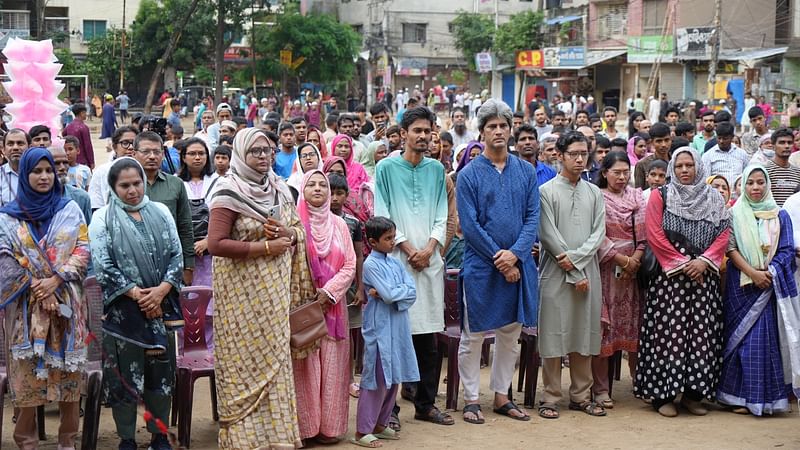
point(449, 339)
point(197, 360)
point(3, 374)
point(94, 369)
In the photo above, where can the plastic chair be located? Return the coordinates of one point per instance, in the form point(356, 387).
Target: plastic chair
point(3, 374)
point(94, 369)
point(449, 339)
point(614, 369)
point(529, 362)
point(197, 361)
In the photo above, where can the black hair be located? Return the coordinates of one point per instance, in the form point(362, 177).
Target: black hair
point(569, 138)
point(117, 136)
point(525, 128)
point(239, 121)
point(781, 132)
point(395, 129)
point(643, 134)
point(150, 136)
point(457, 109)
point(224, 149)
point(337, 181)
point(177, 130)
point(184, 174)
point(272, 123)
point(68, 139)
point(657, 164)
point(344, 117)
point(619, 142)
point(582, 111)
point(601, 142)
point(659, 130)
point(285, 126)
point(274, 116)
point(360, 108)
point(559, 112)
point(634, 115)
point(296, 120)
point(331, 119)
point(418, 113)
point(725, 129)
point(677, 143)
point(594, 117)
point(754, 112)
point(18, 130)
point(722, 116)
point(377, 108)
point(519, 115)
point(227, 140)
point(608, 162)
point(39, 129)
point(78, 108)
point(684, 127)
point(443, 136)
point(270, 135)
point(117, 168)
point(609, 108)
point(378, 225)
point(673, 109)
point(709, 112)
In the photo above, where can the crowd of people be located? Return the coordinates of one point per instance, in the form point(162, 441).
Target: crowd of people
point(673, 245)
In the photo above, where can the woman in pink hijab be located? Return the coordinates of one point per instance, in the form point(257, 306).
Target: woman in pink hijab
point(361, 199)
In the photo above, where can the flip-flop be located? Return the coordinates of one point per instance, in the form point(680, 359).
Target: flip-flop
point(508, 407)
point(473, 408)
point(366, 441)
point(387, 434)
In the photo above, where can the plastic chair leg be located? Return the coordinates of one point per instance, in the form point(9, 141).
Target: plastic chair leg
point(40, 423)
point(212, 384)
point(2, 400)
point(523, 359)
point(531, 376)
point(186, 392)
point(485, 348)
point(453, 378)
point(174, 414)
point(91, 417)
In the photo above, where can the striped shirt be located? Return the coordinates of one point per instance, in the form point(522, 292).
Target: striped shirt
point(729, 164)
point(785, 181)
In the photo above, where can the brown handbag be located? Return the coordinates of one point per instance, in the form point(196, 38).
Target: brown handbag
point(307, 325)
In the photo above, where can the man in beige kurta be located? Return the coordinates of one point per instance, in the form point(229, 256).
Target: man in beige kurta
point(572, 227)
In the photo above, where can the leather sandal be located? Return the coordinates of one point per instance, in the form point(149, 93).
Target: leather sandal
point(668, 410)
point(694, 407)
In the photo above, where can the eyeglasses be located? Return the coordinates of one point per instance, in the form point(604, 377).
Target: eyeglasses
point(126, 144)
point(307, 155)
point(155, 152)
point(576, 155)
point(260, 151)
point(195, 155)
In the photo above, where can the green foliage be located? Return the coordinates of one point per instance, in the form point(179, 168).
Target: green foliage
point(155, 24)
point(103, 59)
point(473, 33)
point(522, 32)
point(71, 66)
point(458, 77)
point(328, 47)
point(203, 75)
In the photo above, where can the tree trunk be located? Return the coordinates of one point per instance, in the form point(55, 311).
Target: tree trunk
point(159, 70)
point(219, 53)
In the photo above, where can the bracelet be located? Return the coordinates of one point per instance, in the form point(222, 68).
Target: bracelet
point(266, 245)
point(627, 263)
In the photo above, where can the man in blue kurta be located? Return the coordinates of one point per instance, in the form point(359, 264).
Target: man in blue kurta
point(410, 190)
point(498, 206)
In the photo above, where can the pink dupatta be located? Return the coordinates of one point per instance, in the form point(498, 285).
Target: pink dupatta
point(356, 175)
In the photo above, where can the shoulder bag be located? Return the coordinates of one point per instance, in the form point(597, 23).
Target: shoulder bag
point(307, 325)
point(650, 267)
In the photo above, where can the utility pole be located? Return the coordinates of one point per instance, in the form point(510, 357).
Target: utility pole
point(122, 53)
point(253, 48)
point(712, 68)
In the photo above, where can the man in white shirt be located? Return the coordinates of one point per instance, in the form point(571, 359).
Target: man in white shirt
point(224, 112)
point(460, 133)
point(16, 143)
point(725, 158)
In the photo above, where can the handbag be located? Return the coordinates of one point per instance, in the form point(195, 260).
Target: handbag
point(650, 268)
point(307, 325)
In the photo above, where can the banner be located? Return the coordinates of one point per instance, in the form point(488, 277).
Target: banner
point(646, 49)
point(694, 41)
point(529, 59)
point(483, 62)
point(571, 56)
point(551, 56)
point(412, 67)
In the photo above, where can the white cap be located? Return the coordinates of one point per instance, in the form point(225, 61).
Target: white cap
point(705, 102)
point(692, 104)
point(222, 106)
point(297, 102)
point(590, 98)
point(722, 102)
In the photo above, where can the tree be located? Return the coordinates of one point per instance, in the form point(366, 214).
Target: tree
point(522, 32)
point(329, 47)
point(473, 33)
point(103, 59)
point(70, 65)
point(230, 20)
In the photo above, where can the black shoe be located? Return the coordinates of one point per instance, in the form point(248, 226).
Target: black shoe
point(160, 442)
point(127, 444)
point(408, 393)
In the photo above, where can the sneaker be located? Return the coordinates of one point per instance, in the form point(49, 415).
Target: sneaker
point(159, 442)
point(127, 444)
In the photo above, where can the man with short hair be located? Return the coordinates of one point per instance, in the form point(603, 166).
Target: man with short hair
point(380, 117)
point(15, 143)
point(707, 134)
point(571, 233)
point(685, 130)
point(122, 144)
point(784, 177)
point(671, 116)
point(749, 103)
point(549, 156)
point(460, 133)
point(174, 118)
point(366, 126)
point(610, 122)
point(287, 151)
point(527, 148)
point(394, 140)
point(662, 139)
point(330, 127)
point(638, 103)
point(71, 192)
point(725, 158)
point(540, 122)
point(596, 123)
point(79, 129)
point(581, 118)
point(223, 113)
point(719, 117)
point(499, 275)
point(752, 138)
point(40, 136)
point(123, 101)
point(410, 190)
point(559, 119)
point(300, 130)
point(168, 190)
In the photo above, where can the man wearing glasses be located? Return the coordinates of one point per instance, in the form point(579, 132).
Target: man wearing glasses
point(122, 144)
point(169, 190)
point(572, 227)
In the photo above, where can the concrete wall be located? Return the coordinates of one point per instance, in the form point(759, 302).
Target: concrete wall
point(80, 10)
point(746, 23)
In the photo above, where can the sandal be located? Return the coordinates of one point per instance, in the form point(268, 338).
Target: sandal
point(506, 409)
point(605, 401)
point(387, 434)
point(435, 416)
point(394, 422)
point(589, 407)
point(473, 408)
point(741, 410)
point(368, 441)
point(548, 411)
point(355, 390)
point(694, 407)
point(668, 410)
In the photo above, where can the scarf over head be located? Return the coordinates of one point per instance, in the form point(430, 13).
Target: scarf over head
point(356, 175)
point(244, 190)
point(296, 178)
point(325, 250)
point(465, 155)
point(367, 157)
point(631, 149)
point(31, 206)
point(756, 225)
point(697, 200)
point(333, 160)
point(323, 147)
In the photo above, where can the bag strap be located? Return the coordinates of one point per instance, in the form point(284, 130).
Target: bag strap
point(663, 190)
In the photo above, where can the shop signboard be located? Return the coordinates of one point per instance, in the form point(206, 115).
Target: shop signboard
point(529, 59)
point(647, 49)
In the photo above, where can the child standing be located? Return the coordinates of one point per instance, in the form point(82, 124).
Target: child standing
point(79, 175)
point(656, 177)
point(389, 357)
point(222, 159)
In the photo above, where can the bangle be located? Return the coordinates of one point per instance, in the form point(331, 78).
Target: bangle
point(266, 245)
point(627, 263)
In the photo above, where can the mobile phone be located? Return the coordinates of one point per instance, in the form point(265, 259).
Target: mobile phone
point(618, 272)
point(274, 212)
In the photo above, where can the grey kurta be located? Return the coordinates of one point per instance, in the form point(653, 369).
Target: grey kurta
point(572, 221)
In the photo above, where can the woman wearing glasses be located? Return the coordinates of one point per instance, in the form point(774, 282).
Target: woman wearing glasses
point(308, 158)
point(260, 271)
point(122, 144)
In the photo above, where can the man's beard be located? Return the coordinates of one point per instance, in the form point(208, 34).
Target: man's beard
point(64, 180)
point(460, 129)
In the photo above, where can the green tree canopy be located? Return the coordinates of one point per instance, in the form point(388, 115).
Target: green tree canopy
point(522, 32)
point(103, 60)
point(155, 23)
point(473, 33)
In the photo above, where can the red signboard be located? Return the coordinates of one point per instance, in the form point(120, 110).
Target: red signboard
point(529, 59)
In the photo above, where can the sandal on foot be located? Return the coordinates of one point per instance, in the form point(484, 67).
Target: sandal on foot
point(741, 410)
point(506, 409)
point(668, 410)
point(368, 441)
point(473, 408)
point(604, 401)
point(548, 411)
point(435, 416)
point(591, 408)
point(394, 422)
point(694, 407)
point(355, 390)
point(387, 434)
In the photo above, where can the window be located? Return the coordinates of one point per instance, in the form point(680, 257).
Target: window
point(358, 28)
point(93, 29)
point(415, 32)
point(450, 27)
point(611, 20)
point(654, 15)
point(56, 25)
point(15, 20)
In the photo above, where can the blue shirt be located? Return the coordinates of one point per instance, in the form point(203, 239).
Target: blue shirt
point(173, 154)
point(544, 173)
point(174, 119)
point(284, 162)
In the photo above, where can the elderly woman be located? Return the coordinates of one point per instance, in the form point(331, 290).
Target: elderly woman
point(680, 344)
point(258, 276)
point(44, 253)
point(139, 264)
point(760, 277)
point(322, 379)
point(308, 158)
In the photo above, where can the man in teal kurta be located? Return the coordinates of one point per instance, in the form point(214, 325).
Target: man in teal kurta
point(410, 190)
